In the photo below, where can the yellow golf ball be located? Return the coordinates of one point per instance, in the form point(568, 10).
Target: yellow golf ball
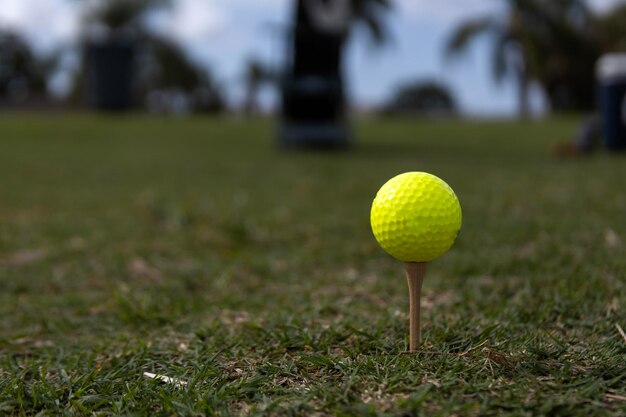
point(416, 217)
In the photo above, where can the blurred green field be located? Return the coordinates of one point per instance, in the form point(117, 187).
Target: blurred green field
point(195, 249)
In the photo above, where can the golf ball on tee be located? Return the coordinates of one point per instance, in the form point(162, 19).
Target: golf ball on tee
point(416, 217)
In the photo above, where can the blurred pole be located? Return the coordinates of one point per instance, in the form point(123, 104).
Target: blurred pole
point(313, 112)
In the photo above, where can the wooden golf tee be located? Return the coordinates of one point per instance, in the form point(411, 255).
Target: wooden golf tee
point(415, 272)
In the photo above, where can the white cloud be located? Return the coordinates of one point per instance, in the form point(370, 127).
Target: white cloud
point(193, 22)
point(46, 24)
point(190, 21)
point(265, 4)
point(604, 5)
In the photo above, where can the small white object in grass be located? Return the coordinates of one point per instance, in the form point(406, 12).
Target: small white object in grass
point(174, 381)
point(621, 331)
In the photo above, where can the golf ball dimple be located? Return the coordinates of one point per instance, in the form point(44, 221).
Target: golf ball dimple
point(416, 217)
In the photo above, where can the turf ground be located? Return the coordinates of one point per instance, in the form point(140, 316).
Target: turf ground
point(194, 249)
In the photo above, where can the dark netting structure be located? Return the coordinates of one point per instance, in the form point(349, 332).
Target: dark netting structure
point(313, 98)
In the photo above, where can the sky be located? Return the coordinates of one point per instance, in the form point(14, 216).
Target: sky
point(225, 33)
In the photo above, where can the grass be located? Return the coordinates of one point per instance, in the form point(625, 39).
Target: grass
point(192, 248)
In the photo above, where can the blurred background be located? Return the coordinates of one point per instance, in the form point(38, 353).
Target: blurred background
point(148, 222)
point(478, 58)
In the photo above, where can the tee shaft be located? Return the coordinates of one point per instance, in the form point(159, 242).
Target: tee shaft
point(415, 272)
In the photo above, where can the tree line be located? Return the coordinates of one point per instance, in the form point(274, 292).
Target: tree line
point(553, 43)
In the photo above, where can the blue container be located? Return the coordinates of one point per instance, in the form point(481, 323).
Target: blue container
point(611, 75)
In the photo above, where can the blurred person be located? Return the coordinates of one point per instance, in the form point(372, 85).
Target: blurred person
point(608, 127)
point(587, 138)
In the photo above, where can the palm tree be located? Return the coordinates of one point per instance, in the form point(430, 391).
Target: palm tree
point(541, 41)
point(126, 63)
point(508, 41)
point(370, 15)
point(168, 74)
point(313, 89)
point(117, 16)
point(565, 54)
